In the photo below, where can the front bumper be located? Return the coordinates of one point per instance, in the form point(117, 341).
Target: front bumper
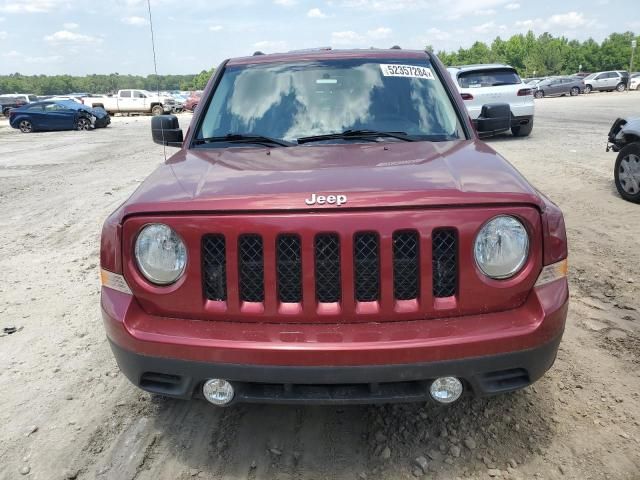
point(341, 363)
point(103, 122)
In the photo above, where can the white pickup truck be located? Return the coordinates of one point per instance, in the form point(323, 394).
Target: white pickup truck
point(133, 101)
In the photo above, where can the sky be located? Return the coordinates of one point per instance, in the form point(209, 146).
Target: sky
point(79, 37)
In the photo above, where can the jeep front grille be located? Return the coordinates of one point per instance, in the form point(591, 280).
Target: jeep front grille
point(368, 256)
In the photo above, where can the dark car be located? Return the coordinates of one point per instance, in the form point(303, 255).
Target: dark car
point(624, 138)
point(9, 103)
point(332, 230)
point(57, 115)
point(559, 86)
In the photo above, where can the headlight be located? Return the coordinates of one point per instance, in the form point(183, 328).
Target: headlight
point(501, 247)
point(160, 254)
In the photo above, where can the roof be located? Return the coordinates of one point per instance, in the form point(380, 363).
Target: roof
point(326, 54)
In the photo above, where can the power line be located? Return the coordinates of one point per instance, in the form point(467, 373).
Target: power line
point(153, 47)
point(155, 69)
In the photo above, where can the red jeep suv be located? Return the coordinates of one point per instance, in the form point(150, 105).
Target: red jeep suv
point(332, 230)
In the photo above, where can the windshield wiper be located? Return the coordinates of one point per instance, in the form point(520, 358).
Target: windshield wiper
point(356, 134)
point(243, 138)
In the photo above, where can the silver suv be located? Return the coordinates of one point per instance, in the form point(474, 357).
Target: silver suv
point(606, 81)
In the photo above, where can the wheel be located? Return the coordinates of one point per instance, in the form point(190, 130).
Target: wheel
point(25, 126)
point(627, 172)
point(7, 112)
point(157, 110)
point(574, 91)
point(587, 88)
point(539, 94)
point(83, 124)
point(620, 87)
point(522, 130)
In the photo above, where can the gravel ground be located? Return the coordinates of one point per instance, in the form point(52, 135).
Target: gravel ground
point(67, 413)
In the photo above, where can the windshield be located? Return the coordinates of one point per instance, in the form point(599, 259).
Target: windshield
point(288, 101)
point(488, 78)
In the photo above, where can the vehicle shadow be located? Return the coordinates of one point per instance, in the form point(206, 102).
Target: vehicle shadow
point(504, 137)
point(267, 441)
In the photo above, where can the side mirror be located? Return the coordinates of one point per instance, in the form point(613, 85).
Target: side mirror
point(165, 130)
point(494, 118)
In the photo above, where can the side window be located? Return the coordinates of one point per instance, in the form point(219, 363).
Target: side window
point(138, 94)
point(53, 107)
point(35, 108)
point(125, 94)
point(612, 75)
point(601, 76)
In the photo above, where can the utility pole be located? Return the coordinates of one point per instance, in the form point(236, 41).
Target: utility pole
point(634, 43)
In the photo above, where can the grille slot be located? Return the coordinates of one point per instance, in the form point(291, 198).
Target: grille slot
point(214, 267)
point(445, 262)
point(366, 261)
point(251, 264)
point(405, 265)
point(289, 267)
point(327, 254)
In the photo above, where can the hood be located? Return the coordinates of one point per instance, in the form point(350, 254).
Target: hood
point(371, 175)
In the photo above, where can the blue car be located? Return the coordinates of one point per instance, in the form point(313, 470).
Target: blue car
point(57, 115)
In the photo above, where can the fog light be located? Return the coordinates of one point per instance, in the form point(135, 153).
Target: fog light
point(218, 391)
point(446, 389)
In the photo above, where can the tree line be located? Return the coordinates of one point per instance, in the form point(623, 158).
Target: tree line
point(61, 84)
point(548, 55)
point(530, 55)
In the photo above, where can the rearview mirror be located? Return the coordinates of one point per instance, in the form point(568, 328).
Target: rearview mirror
point(165, 130)
point(494, 118)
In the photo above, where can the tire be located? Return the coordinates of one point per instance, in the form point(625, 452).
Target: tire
point(588, 88)
point(621, 87)
point(627, 172)
point(522, 130)
point(25, 126)
point(538, 94)
point(574, 91)
point(83, 124)
point(157, 110)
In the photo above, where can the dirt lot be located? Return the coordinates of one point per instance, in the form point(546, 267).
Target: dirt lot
point(68, 413)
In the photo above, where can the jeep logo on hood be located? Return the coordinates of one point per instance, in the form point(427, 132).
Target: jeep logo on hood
point(337, 200)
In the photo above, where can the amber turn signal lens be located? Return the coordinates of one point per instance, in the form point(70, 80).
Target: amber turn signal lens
point(553, 272)
point(114, 281)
